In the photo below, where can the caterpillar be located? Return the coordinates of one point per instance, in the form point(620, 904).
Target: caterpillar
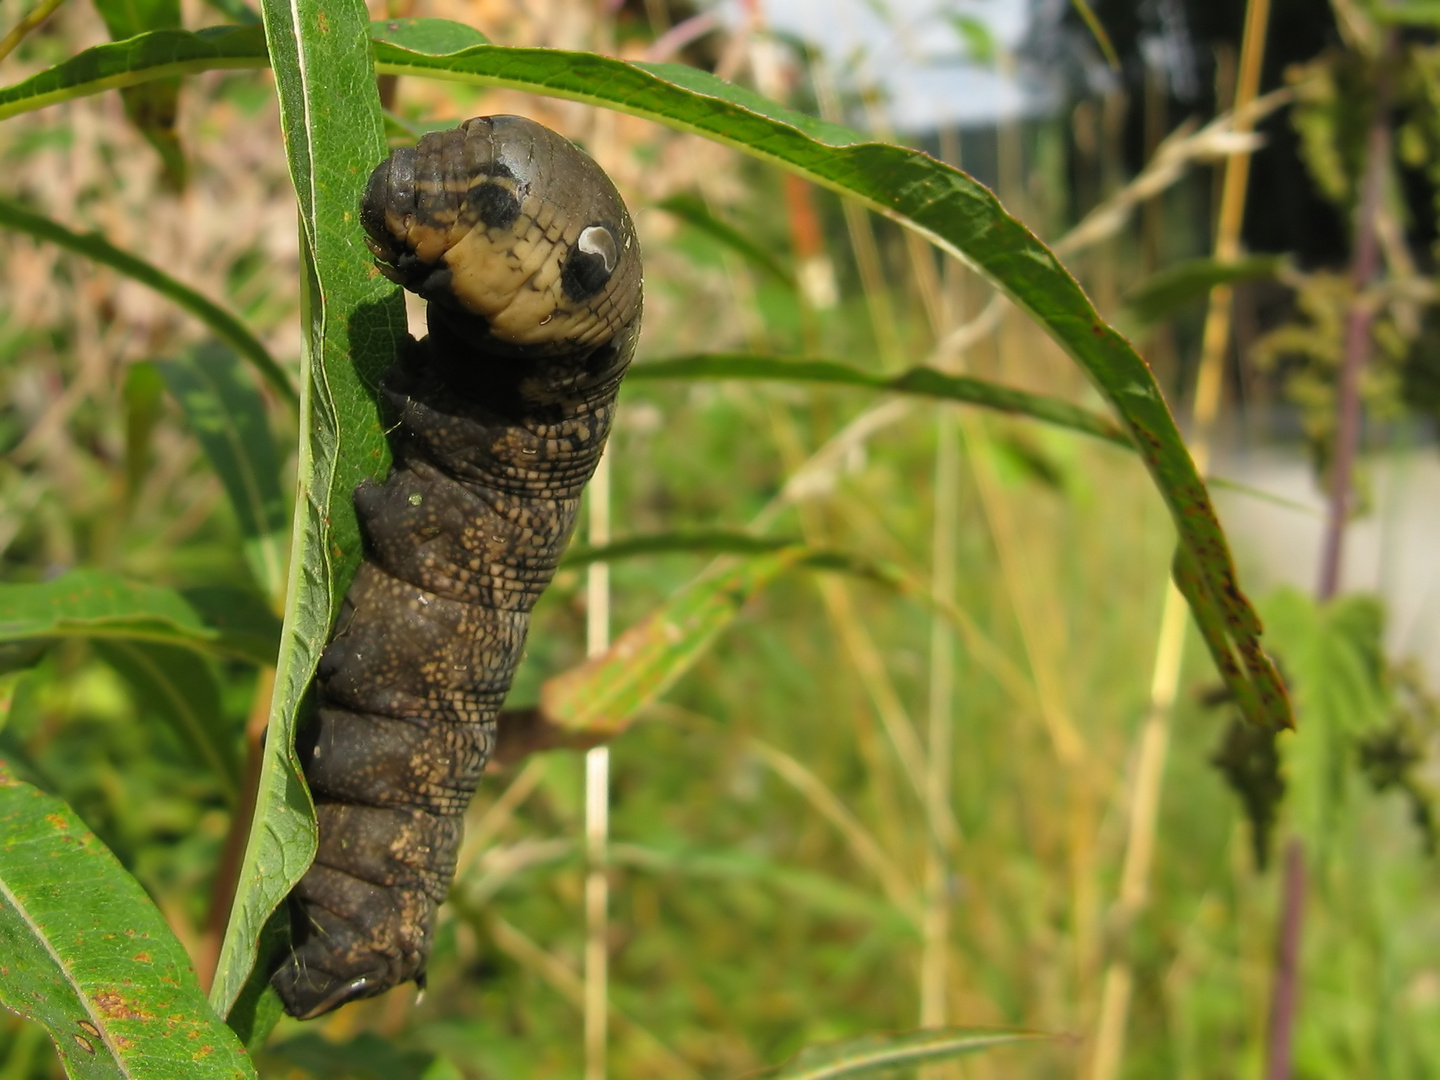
point(531, 268)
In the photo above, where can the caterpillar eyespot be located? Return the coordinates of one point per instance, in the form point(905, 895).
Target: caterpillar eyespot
point(529, 261)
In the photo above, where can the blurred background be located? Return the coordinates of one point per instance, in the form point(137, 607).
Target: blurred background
point(1024, 805)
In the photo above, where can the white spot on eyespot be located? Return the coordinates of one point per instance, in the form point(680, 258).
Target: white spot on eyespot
point(597, 240)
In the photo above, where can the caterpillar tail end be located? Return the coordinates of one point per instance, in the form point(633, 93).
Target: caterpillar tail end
point(320, 973)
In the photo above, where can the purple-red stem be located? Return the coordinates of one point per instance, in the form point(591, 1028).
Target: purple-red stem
point(1287, 964)
point(1363, 265)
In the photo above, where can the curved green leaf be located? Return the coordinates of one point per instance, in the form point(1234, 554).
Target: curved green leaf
point(228, 417)
point(920, 382)
point(334, 134)
point(94, 246)
point(871, 1053)
point(960, 216)
point(84, 952)
point(100, 605)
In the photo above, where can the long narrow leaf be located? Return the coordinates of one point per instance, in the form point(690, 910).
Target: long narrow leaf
point(334, 134)
point(142, 58)
point(94, 246)
point(100, 605)
point(228, 417)
point(920, 382)
point(93, 961)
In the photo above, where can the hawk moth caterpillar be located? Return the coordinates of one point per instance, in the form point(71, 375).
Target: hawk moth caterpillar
point(497, 418)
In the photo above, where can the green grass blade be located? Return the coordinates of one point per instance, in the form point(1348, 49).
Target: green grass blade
point(228, 417)
point(179, 687)
point(94, 246)
point(919, 382)
point(102, 606)
point(117, 1005)
point(1097, 31)
point(334, 134)
point(872, 1053)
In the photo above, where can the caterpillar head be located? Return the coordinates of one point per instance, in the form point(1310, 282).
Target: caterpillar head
point(506, 221)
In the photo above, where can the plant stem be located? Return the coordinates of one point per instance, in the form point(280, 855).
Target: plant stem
point(1287, 964)
point(1145, 795)
point(33, 18)
point(1363, 265)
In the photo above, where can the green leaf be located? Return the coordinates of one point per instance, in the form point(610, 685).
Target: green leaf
point(434, 36)
point(100, 605)
point(94, 246)
point(157, 54)
point(1334, 661)
point(228, 417)
point(334, 135)
point(871, 1053)
point(152, 107)
point(693, 212)
point(920, 382)
point(180, 687)
point(87, 955)
point(1162, 293)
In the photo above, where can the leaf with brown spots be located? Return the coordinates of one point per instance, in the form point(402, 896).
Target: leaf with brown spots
point(111, 1012)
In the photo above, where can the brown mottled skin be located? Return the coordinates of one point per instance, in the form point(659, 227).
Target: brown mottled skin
point(530, 263)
